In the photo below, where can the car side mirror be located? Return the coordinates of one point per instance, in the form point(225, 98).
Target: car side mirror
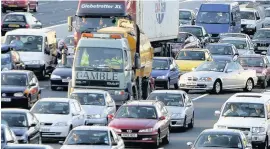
point(114, 143)
point(217, 113)
point(237, 54)
point(229, 70)
point(189, 144)
point(110, 116)
point(258, 18)
point(162, 118)
point(33, 84)
point(61, 142)
point(33, 125)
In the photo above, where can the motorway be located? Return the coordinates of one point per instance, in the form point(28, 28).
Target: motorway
point(205, 104)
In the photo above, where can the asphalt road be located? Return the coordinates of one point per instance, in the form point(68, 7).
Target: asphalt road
point(205, 104)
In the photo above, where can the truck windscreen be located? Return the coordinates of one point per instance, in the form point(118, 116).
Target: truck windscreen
point(100, 59)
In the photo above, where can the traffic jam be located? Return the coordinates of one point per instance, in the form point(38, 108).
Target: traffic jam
point(129, 70)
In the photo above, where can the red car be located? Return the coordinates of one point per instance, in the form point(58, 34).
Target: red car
point(25, 5)
point(142, 121)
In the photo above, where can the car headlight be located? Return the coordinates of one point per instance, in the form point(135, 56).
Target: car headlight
point(161, 77)
point(94, 116)
point(20, 94)
point(5, 69)
point(61, 124)
point(258, 129)
point(147, 130)
point(205, 79)
point(117, 130)
point(55, 77)
point(176, 115)
point(251, 26)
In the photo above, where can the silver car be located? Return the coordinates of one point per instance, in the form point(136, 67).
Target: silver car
point(97, 104)
point(218, 76)
point(179, 105)
point(243, 45)
point(97, 137)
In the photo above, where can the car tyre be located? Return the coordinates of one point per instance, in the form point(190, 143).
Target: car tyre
point(191, 124)
point(217, 88)
point(176, 86)
point(264, 84)
point(264, 145)
point(53, 88)
point(166, 139)
point(185, 125)
point(43, 74)
point(157, 141)
point(167, 85)
point(249, 85)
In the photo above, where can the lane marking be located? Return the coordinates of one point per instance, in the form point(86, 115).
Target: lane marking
point(199, 97)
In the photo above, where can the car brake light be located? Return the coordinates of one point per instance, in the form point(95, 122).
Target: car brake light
point(27, 26)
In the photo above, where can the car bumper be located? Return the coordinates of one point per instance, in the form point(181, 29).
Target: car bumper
point(197, 86)
point(249, 31)
point(141, 138)
point(59, 82)
point(54, 132)
point(15, 102)
point(177, 123)
point(97, 121)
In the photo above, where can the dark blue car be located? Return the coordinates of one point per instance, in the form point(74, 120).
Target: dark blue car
point(223, 51)
point(165, 72)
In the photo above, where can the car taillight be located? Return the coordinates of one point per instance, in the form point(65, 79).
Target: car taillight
point(27, 25)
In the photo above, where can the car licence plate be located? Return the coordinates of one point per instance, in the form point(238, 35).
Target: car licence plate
point(129, 135)
point(12, 5)
point(65, 80)
point(191, 83)
point(13, 25)
point(6, 99)
point(45, 130)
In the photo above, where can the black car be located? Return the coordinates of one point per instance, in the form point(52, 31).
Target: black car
point(185, 40)
point(10, 59)
point(20, 88)
point(24, 124)
point(7, 136)
point(17, 20)
point(223, 51)
point(198, 31)
point(261, 40)
point(62, 74)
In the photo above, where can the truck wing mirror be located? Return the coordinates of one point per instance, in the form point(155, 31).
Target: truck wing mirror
point(137, 61)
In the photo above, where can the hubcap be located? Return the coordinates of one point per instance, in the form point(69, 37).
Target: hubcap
point(217, 87)
point(249, 85)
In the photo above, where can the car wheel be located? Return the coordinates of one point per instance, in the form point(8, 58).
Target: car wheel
point(53, 88)
point(185, 125)
point(217, 88)
point(264, 145)
point(191, 124)
point(167, 85)
point(166, 139)
point(249, 86)
point(264, 84)
point(43, 74)
point(176, 86)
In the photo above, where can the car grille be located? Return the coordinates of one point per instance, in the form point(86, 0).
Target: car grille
point(50, 133)
point(239, 128)
point(263, 44)
point(214, 35)
point(192, 79)
point(133, 131)
point(46, 124)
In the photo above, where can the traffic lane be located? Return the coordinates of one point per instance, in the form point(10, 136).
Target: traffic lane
point(54, 12)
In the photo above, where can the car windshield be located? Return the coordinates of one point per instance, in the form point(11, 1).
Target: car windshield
point(237, 109)
point(14, 18)
point(69, 41)
point(106, 59)
point(197, 31)
point(68, 64)
point(267, 13)
point(184, 15)
point(137, 112)
point(251, 61)
point(88, 137)
point(25, 43)
point(213, 17)
point(169, 99)
point(89, 98)
point(262, 34)
point(14, 79)
point(217, 140)
point(90, 24)
point(212, 66)
point(2, 136)
point(47, 107)
point(15, 119)
point(239, 44)
point(5, 59)
point(220, 49)
point(247, 15)
point(191, 55)
point(159, 64)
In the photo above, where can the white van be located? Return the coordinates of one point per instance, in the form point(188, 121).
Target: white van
point(250, 113)
point(37, 48)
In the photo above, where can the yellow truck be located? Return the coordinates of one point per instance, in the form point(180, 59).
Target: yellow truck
point(117, 59)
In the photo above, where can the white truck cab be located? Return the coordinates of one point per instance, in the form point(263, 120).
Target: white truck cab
point(37, 48)
point(248, 112)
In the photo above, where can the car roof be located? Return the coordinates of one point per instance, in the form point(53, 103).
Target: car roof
point(251, 55)
point(56, 99)
point(89, 91)
point(225, 44)
point(195, 49)
point(141, 102)
point(223, 131)
point(234, 38)
point(14, 110)
point(162, 58)
point(17, 71)
point(169, 91)
point(29, 31)
point(249, 98)
point(102, 128)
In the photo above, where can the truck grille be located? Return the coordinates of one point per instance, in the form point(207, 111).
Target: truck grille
point(239, 128)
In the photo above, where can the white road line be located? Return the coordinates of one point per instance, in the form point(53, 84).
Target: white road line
point(200, 97)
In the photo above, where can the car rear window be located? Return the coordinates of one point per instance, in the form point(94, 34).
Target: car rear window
point(14, 18)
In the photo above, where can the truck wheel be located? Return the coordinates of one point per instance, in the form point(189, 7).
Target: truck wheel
point(146, 89)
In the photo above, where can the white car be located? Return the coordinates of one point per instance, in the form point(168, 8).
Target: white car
point(218, 76)
point(243, 45)
point(248, 112)
point(96, 137)
point(179, 105)
point(97, 104)
point(58, 116)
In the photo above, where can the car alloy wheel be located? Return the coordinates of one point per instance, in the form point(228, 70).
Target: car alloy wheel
point(217, 87)
point(249, 85)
